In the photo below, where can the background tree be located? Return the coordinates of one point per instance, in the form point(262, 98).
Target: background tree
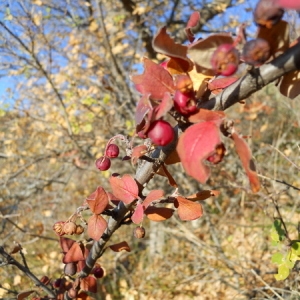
point(69, 64)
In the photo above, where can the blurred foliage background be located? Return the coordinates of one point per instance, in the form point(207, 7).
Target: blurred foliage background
point(65, 90)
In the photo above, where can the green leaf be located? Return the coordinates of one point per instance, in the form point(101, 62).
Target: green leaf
point(283, 272)
point(277, 233)
point(296, 248)
point(277, 258)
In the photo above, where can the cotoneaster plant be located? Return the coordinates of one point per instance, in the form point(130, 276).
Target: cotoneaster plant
point(172, 90)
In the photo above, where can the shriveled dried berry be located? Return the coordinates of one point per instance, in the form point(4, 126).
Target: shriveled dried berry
point(112, 151)
point(256, 52)
point(79, 229)
point(69, 228)
point(267, 13)
point(225, 60)
point(139, 232)
point(161, 133)
point(103, 163)
point(58, 228)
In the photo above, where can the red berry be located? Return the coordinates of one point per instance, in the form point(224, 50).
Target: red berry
point(103, 163)
point(225, 60)
point(256, 52)
point(57, 283)
point(161, 133)
point(98, 272)
point(184, 103)
point(112, 151)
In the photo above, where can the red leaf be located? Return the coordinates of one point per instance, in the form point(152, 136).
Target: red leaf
point(159, 214)
point(163, 107)
point(125, 188)
point(120, 247)
point(96, 226)
point(75, 253)
point(24, 294)
point(97, 201)
point(195, 145)
point(207, 115)
point(188, 210)
point(245, 155)
point(155, 80)
point(66, 244)
point(192, 22)
point(202, 195)
point(290, 4)
point(289, 85)
point(201, 51)
point(138, 215)
point(89, 284)
point(152, 196)
point(163, 171)
point(137, 152)
point(278, 37)
point(143, 108)
point(221, 83)
point(164, 44)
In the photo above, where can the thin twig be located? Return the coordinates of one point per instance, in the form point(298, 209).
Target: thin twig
point(266, 284)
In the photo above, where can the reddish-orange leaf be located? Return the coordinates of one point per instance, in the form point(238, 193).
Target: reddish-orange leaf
point(188, 210)
point(221, 83)
point(164, 44)
point(201, 52)
point(75, 253)
point(192, 22)
point(202, 195)
point(245, 155)
point(155, 80)
point(89, 284)
point(96, 227)
point(195, 145)
point(159, 214)
point(137, 152)
point(138, 214)
point(289, 85)
point(84, 296)
point(278, 37)
point(24, 294)
point(123, 246)
point(124, 188)
point(163, 107)
point(143, 108)
point(65, 243)
point(204, 115)
point(173, 158)
point(152, 196)
point(97, 201)
point(163, 171)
